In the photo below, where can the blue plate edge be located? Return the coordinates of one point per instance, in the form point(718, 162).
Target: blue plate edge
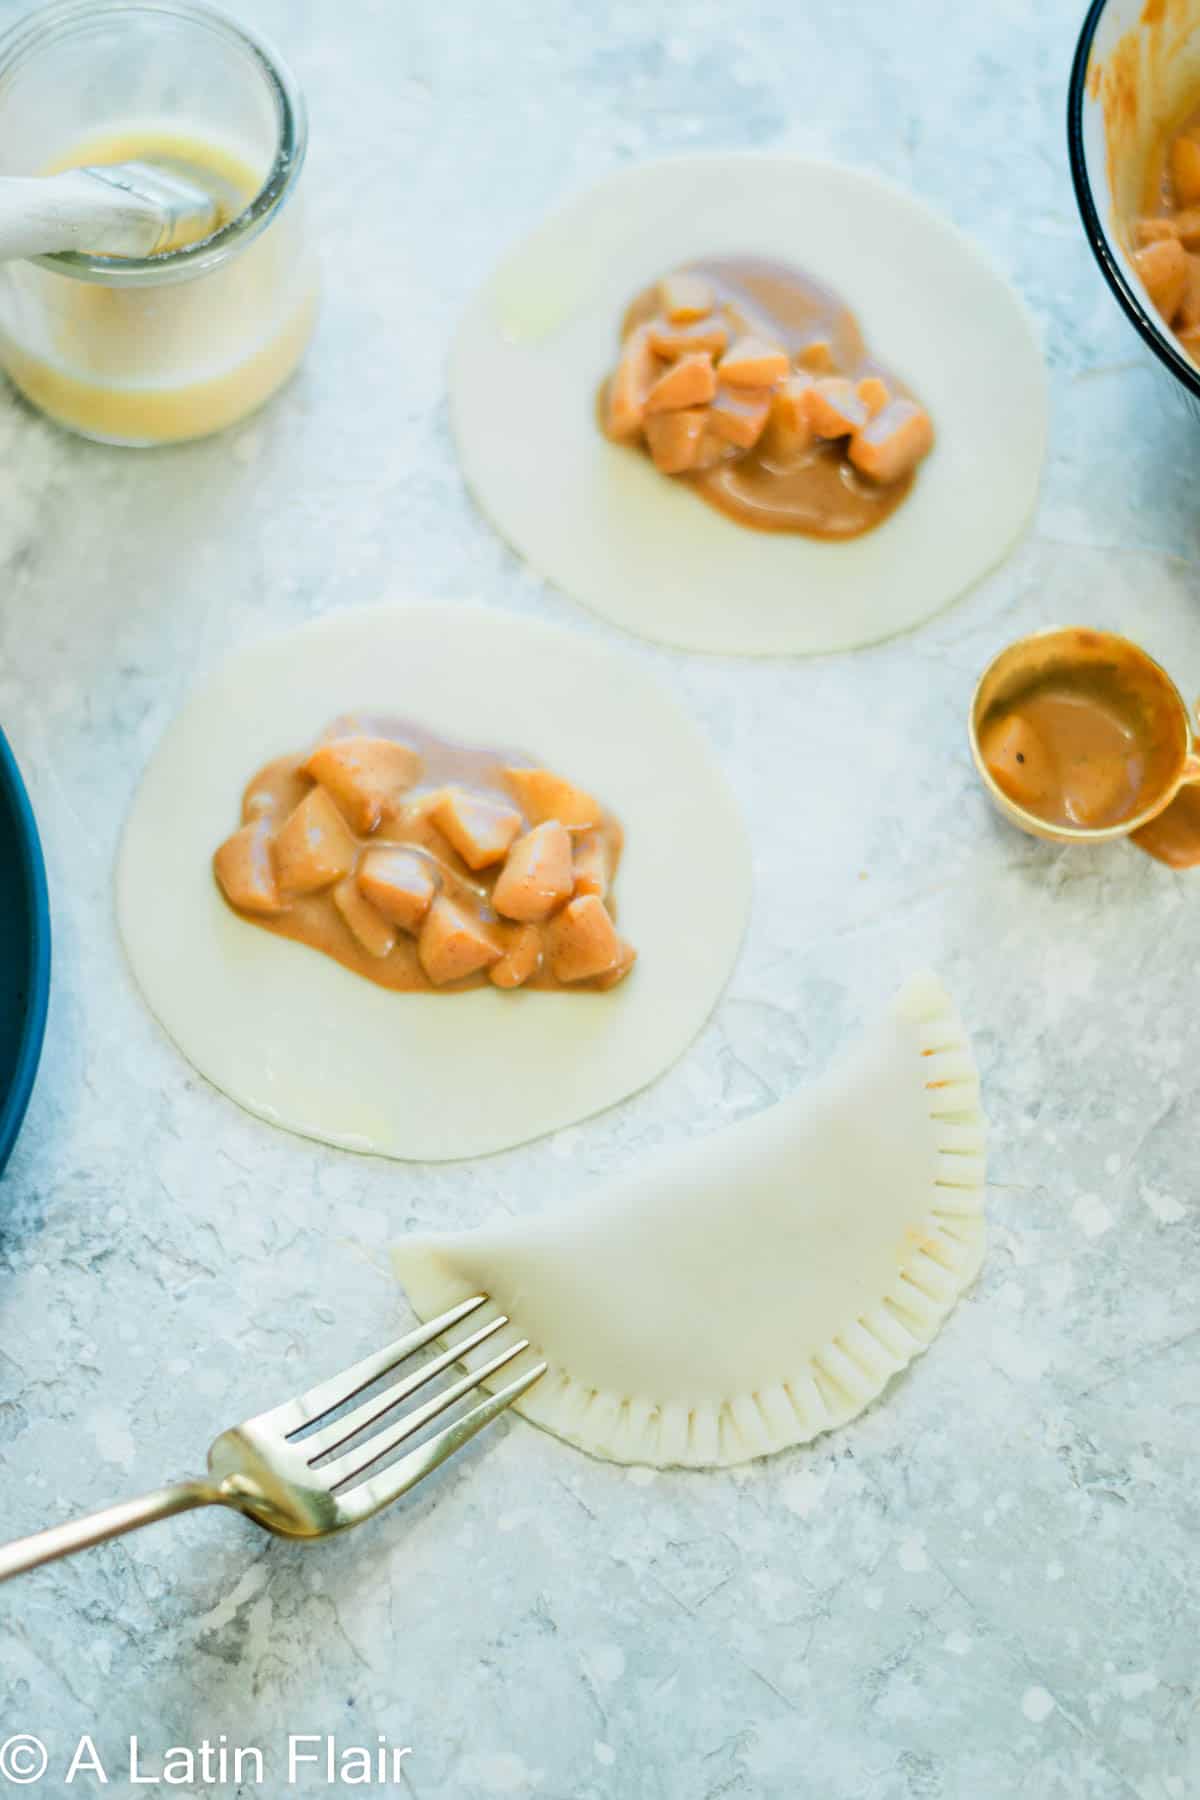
point(33, 871)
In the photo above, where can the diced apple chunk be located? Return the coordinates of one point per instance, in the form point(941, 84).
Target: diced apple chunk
point(244, 868)
point(480, 830)
point(688, 382)
point(739, 415)
point(1152, 231)
point(582, 941)
point(452, 944)
point(538, 876)
point(1186, 227)
point(674, 439)
point(669, 341)
point(542, 795)
point(752, 362)
point(366, 776)
point(1185, 170)
point(816, 356)
point(635, 374)
point(790, 430)
point(1187, 315)
point(400, 884)
point(1101, 798)
point(1163, 268)
point(593, 864)
point(1017, 761)
point(313, 848)
point(366, 922)
point(834, 407)
point(873, 392)
point(620, 969)
point(278, 795)
point(520, 961)
point(713, 448)
point(891, 444)
point(684, 297)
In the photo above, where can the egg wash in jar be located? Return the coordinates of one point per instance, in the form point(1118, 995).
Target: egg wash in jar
point(177, 345)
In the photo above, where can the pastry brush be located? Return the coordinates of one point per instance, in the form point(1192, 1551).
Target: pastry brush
point(117, 209)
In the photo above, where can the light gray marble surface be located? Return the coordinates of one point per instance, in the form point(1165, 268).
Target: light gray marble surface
point(986, 1587)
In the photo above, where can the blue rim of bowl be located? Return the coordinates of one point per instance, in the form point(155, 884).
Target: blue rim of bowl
point(33, 876)
point(1126, 295)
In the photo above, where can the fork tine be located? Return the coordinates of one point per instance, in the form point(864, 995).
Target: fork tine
point(380, 1490)
point(341, 1430)
point(354, 1462)
point(294, 1415)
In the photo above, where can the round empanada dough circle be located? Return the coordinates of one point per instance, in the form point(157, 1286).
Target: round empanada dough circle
point(296, 1038)
point(601, 523)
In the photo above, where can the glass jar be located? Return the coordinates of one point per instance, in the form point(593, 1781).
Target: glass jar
point(157, 349)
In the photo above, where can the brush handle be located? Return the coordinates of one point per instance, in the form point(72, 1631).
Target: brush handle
point(75, 211)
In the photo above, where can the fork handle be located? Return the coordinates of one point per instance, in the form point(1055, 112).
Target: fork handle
point(113, 1521)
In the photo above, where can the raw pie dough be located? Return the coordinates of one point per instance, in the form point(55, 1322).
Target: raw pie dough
point(303, 1042)
point(760, 1285)
point(598, 519)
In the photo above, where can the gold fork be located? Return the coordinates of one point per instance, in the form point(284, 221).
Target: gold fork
point(266, 1467)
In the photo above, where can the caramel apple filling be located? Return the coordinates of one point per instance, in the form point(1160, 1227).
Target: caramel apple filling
point(753, 384)
point(1166, 238)
point(426, 866)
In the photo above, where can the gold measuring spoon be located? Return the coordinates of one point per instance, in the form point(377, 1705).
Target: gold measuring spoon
point(1079, 736)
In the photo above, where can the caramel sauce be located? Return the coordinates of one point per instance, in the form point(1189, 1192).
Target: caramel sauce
point(820, 493)
point(1088, 747)
point(278, 788)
